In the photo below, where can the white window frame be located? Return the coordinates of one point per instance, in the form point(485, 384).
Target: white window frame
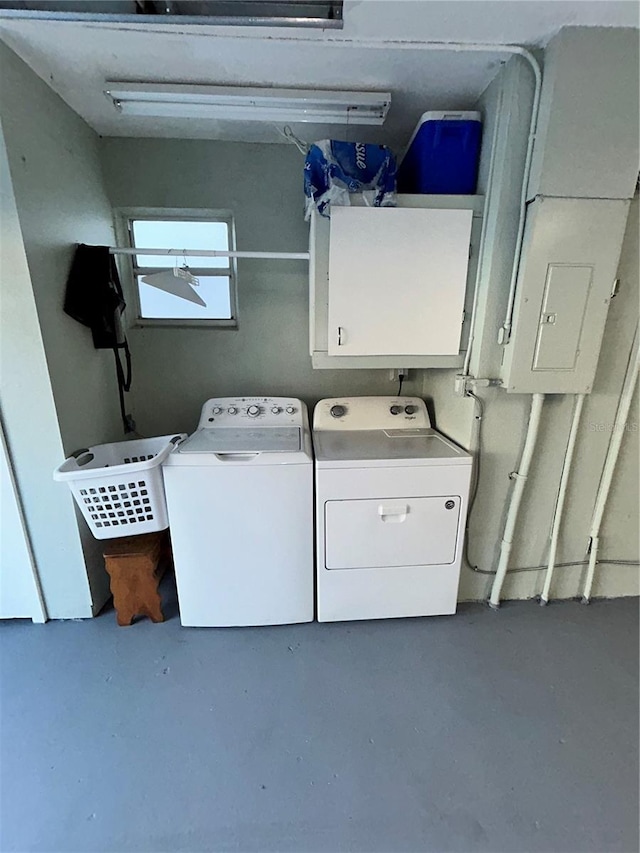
point(124, 235)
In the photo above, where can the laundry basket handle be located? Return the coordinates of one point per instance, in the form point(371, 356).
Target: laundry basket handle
point(83, 452)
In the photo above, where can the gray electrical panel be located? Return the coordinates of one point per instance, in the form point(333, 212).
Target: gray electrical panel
point(587, 135)
point(567, 271)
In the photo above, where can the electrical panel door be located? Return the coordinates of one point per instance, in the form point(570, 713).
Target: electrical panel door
point(566, 296)
point(569, 262)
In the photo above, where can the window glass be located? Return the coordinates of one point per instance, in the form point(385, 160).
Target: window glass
point(176, 234)
point(156, 304)
point(171, 297)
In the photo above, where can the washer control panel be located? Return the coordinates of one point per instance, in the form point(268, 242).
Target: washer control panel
point(245, 411)
point(363, 413)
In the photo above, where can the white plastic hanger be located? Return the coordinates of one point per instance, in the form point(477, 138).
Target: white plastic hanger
point(178, 281)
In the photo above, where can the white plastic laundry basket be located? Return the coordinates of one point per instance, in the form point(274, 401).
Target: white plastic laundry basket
point(119, 487)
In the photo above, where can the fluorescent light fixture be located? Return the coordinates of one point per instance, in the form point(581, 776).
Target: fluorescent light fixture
point(239, 103)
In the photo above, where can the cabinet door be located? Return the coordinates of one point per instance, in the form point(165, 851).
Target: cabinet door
point(397, 280)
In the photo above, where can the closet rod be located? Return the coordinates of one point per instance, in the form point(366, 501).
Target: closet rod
point(211, 253)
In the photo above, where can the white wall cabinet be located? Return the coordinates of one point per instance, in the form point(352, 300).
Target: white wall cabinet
point(389, 285)
point(397, 280)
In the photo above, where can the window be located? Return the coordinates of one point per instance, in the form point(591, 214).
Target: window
point(174, 301)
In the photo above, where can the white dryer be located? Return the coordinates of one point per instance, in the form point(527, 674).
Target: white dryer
point(240, 503)
point(391, 503)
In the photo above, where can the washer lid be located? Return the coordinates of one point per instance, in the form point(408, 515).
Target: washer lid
point(243, 440)
point(408, 446)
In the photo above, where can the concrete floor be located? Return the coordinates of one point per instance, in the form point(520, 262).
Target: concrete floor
point(505, 731)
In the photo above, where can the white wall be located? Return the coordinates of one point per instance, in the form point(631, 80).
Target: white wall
point(31, 427)
point(60, 199)
point(176, 370)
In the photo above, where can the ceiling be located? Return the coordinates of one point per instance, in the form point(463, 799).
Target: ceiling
point(76, 59)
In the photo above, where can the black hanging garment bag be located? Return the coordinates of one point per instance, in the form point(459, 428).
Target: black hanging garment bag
point(94, 298)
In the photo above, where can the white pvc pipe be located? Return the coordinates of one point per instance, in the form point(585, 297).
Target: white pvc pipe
point(210, 253)
point(506, 328)
point(326, 41)
point(615, 442)
point(562, 491)
point(483, 237)
point(520, 478)
point(594, 544)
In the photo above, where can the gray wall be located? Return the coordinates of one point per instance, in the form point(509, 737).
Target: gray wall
point(176, 370)
point(60, 200)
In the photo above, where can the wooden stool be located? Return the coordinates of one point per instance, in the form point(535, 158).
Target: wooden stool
point(135, 568)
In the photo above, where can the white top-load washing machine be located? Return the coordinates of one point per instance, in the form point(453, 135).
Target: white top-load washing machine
point(391, 503)
point(240, 503)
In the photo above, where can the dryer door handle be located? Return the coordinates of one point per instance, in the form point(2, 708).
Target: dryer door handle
point(236, 457)
point(390, 513)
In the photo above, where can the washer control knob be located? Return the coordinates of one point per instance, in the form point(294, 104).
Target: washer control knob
point(290, 410)
point(410, 410)
point(276, 410)
point(232, 410)
point(253, 411)
point(395, 410)
point(338, 411)
point(217, 410)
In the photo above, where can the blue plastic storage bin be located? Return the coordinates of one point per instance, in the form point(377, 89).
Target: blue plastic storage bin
point(443, 155)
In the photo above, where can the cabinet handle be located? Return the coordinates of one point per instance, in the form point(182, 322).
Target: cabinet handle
point(340, 331)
